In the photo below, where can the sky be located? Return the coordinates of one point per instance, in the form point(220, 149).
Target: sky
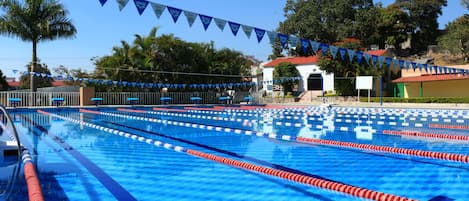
point(102, 27)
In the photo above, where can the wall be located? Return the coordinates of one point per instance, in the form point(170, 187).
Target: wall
point(305, 71)
point(449, 88)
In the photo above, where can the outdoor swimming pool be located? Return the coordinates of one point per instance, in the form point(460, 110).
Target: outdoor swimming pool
point(232, 153)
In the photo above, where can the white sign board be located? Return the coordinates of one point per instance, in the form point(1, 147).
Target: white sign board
point(364, 82)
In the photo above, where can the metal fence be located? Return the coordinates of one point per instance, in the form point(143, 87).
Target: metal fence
point(38, 99)
point(41, 99)
point(154, 98)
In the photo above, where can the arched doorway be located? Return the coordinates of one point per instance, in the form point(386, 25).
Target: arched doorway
point(314, 82)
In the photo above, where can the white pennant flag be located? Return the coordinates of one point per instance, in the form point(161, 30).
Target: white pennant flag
point(247, 30)
point(190, 16)
point(122, 4)
point(220, 23)
point(158, 9)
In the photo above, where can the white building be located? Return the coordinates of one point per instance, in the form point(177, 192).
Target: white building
point(312, 78)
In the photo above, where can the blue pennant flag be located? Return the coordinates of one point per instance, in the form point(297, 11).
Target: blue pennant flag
point(367, 57)
point(420, 67)
point(439, 69)
point(190, 16)
point(324, 48)
point(359, 56)
point(122, 4)
point(314, 46)
point(247, 30)
point(283, 39)
point(141, 5)
point(342, 52)
point(102, 2)
point(425, 66)
point(395, 63)
point(430, 68)
point(59, 77)
point(206, 20)
point(175, 13)
point(260, 34)
point(305, 45)
point(351, 54)
point(158, 9)
point(293, 40)
point(414, 65)
point(402, 63)
point(388, 61)
point(380, 61)
point(334, 51)
point(374, 60)
point(272, 36)
point(407, 66)
point(221, 23)
point(234, 27)
point(454, 70)
point(445, 70)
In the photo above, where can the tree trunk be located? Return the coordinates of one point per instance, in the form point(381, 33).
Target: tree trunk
point(33, 65)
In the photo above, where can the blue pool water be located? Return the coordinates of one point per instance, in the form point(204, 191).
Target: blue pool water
point(78, 162)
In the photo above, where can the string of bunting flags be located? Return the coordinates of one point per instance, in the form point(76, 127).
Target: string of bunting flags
point(291, 40)
point(161, 85)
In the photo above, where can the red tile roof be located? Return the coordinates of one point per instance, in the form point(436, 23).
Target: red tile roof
point(431, 77)
point(293, 60)
point(377, 52)
point(54, 83)
point(312, 59)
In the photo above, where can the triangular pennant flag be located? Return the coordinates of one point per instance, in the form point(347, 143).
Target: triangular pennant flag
point(374, 60)
point(206, 20)
point(122, 4)
point(359, 56)
point(305, 45)
point(430, 68)
point(420, 67)
point(342, 52)
point(220, 23)
point(158, 9)
point(234, 27)
point(395, 63)
point(314, 46)
point(247, 30)
point(454, 70)
point(414, 65)
point(435, 68)
point(351, 54)
point(324, 48)
point(334, 50)
point(190, 16)
point(445, 70)
point(388, 61)
point(141, 5)
point(425, 66)
point(102, 2)
point(380, 61)
point(402, 63)
point(283, 39)
point(272, 36)
point(175, 13)
point(293, 40)
point(367, 57)
point(260, 34)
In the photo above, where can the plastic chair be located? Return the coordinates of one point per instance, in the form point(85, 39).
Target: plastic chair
point(132, 101)
point(166, 100)
point(57, 101)
point(14, 101)
point(97, 101)
point(196, 99)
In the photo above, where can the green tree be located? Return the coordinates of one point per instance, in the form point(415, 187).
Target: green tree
point(328, 21)
point(3, 82)
point(393, 26)
point(168, 59)
point(424, 15)
point(286, 70)
point(39, 80)
point(456, 39)
point(465, 3)
point(35, 21)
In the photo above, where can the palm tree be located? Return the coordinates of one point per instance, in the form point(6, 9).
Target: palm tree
point(35, 21)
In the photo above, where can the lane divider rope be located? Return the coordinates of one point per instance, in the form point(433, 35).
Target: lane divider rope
point(320, 183)
point(402, 151)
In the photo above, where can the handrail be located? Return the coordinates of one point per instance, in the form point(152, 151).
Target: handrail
point(15, 133)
